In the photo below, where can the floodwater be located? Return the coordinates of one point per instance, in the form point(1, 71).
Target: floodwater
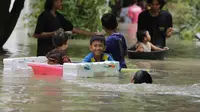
point(175, 88)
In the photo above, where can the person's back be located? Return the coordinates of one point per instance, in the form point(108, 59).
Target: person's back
point(115, 43)
point(57, 57)
point(116, 46)
point(133, 12)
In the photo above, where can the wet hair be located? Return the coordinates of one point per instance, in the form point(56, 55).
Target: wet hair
point(161, 2)
point(59, 38)
point(141, 34)
point(98, 38)
point(142, 76)
point(109, 21)
point(48, 5)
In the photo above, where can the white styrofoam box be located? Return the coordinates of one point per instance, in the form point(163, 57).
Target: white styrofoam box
point(86, 70)
point(112, 68)
point(21, 62)
point(42, 59)
point(7, 63)
point(70, 69)
point(107, 68)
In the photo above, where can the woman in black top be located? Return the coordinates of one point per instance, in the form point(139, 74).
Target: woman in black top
point(48, 22)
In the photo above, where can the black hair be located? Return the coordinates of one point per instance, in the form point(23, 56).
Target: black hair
point(161, 2)
point(48, 5)
point(98, 38)
point(126, 4)
point(141, 3)
point(133, 1)
point(59, 38)
point(109, 21)
point(142, 76)
point(140, 35)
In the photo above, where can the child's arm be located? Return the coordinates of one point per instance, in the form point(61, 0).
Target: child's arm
point(52, 61)
point(155, 48)
point(139, 48)
point(66, 59)
point(87, 58)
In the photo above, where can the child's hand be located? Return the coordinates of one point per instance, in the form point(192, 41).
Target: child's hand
point(166, 48)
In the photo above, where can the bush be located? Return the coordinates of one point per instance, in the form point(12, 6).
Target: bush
point(186, 16)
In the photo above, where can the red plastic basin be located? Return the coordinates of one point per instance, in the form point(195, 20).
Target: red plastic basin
point(46, 69)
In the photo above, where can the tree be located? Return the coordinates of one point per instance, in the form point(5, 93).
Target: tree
point(9, 19)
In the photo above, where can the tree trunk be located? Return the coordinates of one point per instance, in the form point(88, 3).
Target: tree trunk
point(8, 19)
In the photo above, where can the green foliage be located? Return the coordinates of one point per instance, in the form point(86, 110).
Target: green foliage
point(37, 7)
point(84, 14)
point(186, 16)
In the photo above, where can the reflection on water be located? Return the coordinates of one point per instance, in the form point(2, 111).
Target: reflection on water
point(176, 84)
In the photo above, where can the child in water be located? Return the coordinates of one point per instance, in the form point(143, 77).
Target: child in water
point(144, 44)
point(58, 55)
point(115, 43)
point(97, 48)
point(141, 76)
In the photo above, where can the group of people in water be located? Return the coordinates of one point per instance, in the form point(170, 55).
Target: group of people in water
point(53, 40)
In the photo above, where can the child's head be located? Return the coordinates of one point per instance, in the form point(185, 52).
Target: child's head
point(156, 4)
point(109, 21)
point(50, 4)
point(60, 40)
point(97, 45)
point(141, 76)
point(143, 36)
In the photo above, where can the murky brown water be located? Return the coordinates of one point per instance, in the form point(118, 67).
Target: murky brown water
point(175, 88)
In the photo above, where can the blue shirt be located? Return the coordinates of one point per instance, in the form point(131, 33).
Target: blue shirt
point(116, 46)
point(90, 57)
